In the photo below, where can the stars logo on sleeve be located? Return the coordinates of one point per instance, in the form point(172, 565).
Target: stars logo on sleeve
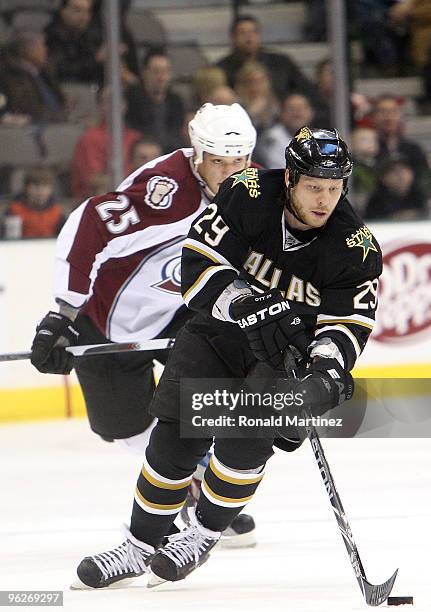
point(249, 179)
point(363, 239)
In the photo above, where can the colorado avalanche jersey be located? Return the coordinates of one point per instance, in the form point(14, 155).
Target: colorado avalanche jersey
point(118, 255)
point(330, 273)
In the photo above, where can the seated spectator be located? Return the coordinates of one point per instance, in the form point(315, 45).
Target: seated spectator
point(75, 42)
point(388, 122)
point(359, 104)
point(296, 111)
point(27, 81)
point(142, 152)
point(92, 150)
point(383, 43)
point(254, 89)
point(41, 215)
point(365, 146)
point(416, 15)
point(396, 195)
point(75, 39)
point(129, 54)
point(246, 43)
point(205, 80)
point(223, 94)
point(152, 107)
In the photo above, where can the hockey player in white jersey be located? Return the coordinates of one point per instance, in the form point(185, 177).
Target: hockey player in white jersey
point(117, 276)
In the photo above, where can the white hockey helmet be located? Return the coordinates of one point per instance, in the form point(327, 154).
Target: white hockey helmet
point(222, 130)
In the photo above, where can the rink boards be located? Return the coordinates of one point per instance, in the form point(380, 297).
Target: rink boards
point(400, 346)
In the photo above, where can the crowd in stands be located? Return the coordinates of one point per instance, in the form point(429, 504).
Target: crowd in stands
point(39, 68)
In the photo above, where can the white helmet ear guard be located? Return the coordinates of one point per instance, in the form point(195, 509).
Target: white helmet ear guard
point(222, 130)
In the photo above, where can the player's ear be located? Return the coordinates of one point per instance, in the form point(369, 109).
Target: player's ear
point(286, 177)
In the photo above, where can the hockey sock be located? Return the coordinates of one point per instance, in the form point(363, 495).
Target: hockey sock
point(157, 502)
point(224, 493)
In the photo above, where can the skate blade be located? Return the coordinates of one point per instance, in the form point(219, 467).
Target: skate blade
point(154, 580)
point(239, 540)
point(78, 585)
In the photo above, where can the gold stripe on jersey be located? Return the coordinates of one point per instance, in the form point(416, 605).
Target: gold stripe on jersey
point(344, 330)
point(154, 508)
point(202, 280)
point(164, 485)
point(225, 474)
point(207, 251)
point(197, 281)
point(201, 251)
point(221, 500)
point(353, 321)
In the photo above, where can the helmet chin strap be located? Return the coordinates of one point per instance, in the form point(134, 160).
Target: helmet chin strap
point(202, 184)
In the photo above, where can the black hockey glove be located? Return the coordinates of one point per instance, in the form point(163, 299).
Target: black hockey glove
point(45, 355)
point(325, 386)
point(271, 326)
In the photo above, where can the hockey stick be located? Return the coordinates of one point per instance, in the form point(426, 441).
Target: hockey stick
point(374, 594)
point(103, 349)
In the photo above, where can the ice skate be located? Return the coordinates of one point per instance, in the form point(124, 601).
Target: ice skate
point(115, 568)
point(185, 551)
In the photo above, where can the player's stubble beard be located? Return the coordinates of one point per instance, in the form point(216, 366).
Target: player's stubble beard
point(291, 206)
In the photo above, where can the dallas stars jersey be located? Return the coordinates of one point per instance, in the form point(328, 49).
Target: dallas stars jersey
point(118, 255)
point(331, 273)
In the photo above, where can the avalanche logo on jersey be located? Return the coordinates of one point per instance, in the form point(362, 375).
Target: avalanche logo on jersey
point(160, 191)
point(171, 276)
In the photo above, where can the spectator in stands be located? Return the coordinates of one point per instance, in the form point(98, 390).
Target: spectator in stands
point(383, 43)
point(246, 42)
point(74, 42)
point(365, 147)
point(204, 81)
point(388, 122)
point(152, 107)
point(129, 57)
point(91, 153)
point(75, 38)
point(417, 15)
point(223, 94)
point(27, 81)
point(254, 89)
point(41, 215)
point(396, 195)
point(296, 111)
point(142, 152)
point(359, 104)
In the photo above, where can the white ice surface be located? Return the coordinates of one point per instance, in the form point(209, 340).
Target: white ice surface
point(64, 494)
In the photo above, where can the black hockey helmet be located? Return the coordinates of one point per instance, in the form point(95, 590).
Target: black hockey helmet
point(319, 153)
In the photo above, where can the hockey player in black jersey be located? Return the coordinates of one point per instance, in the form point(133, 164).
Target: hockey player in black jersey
point(278, 262)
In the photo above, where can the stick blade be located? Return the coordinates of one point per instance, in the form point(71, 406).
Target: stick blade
point(376, 594)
